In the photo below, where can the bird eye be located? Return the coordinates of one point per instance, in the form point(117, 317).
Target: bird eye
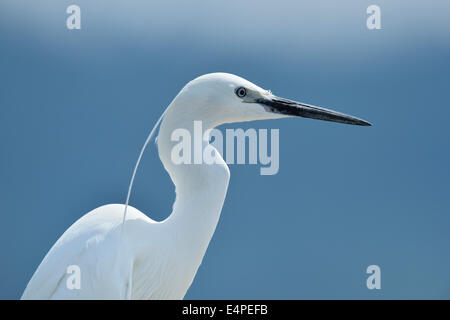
point(241, 92)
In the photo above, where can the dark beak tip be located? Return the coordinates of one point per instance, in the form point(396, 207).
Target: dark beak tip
point(293, 108)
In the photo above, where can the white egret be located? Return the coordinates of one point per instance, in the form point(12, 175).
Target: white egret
point(138, 258)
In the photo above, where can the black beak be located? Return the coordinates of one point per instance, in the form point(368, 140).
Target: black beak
point(293, 108)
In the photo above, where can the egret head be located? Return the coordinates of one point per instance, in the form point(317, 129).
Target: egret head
point(228, 98)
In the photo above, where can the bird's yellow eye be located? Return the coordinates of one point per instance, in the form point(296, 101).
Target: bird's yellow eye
point(241, 92)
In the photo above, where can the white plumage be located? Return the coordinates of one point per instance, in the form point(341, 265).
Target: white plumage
point(158, 260)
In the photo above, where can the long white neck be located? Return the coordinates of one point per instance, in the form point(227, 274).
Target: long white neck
point(200, 188)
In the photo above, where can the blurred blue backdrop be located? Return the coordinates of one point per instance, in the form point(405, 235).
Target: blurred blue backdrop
point(77, 105)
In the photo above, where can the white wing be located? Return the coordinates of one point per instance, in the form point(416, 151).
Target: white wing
point(92, 244)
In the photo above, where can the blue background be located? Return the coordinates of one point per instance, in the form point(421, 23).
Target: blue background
point(77, 105)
